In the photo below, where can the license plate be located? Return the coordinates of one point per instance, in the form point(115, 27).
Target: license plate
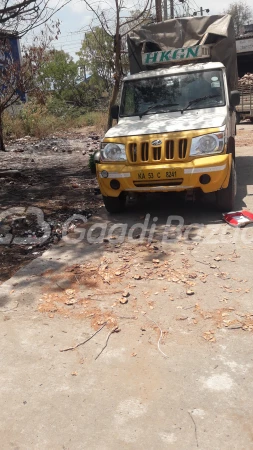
point(156, 174)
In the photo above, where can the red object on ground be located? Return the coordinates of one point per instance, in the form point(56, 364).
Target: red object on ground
point(238, 218)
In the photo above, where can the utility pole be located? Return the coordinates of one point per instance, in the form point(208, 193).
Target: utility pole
point(201, 11)
point(171, 9)
point(158, 9)
point(165, 10)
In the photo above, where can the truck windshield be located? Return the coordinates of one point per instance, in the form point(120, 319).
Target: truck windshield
point(172, 93)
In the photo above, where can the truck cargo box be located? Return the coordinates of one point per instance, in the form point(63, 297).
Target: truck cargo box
point(217, 31)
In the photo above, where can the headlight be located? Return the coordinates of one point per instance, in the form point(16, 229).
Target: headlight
point(113, 152)
point(208, 144)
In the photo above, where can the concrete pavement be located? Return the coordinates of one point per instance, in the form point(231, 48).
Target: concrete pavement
point(177, 375)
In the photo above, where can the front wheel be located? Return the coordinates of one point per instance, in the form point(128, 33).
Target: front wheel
point(225, 198)
point(115, 204)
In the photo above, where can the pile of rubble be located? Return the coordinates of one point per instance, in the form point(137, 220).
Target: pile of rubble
point(63, 143)
point(27, 230)
point(247, 79)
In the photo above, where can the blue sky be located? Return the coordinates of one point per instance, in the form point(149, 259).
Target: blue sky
point(75, 19)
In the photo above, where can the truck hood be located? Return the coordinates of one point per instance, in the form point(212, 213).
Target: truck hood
point(169, 122)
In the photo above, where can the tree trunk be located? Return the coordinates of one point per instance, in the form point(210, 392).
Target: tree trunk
point(117, 62)
point(2, 146)
point(113, 99)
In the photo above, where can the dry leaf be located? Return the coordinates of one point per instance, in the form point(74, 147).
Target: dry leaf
point(189, 292)
point(70, 301)
point(123, 301)
point(209, 336)
point(126, 294)
point(137, 277)
point(118, 273)
point(70, 292)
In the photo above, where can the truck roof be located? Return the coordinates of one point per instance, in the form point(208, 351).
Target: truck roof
point(175, 69)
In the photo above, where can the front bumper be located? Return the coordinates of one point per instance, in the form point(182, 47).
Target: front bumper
point(165, 177)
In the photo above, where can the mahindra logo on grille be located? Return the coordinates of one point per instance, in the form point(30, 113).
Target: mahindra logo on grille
point(156, 142)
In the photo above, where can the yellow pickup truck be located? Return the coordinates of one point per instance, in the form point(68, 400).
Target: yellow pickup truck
point(175, 130)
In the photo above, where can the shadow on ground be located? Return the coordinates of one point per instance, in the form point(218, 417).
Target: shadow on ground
point(51, 189)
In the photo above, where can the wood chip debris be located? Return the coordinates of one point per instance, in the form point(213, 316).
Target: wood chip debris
point(123, 301)
point(209, 336)
point(137, 277)
point(189, 292)
point(126, 294)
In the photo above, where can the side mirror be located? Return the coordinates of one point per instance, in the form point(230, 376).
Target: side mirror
point(234, 98)
point(115, 112)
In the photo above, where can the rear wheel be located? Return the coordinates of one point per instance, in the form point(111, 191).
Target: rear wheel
point(115, 204)
point(225, 198)
point(251, 119)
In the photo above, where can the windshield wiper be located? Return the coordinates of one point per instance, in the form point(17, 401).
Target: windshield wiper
point(155, 106)
point(197, 100)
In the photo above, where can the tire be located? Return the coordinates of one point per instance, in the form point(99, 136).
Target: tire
point(115, 204)
point(251, 119)
point(238, 118)
point(92, 164)
point(225, 198)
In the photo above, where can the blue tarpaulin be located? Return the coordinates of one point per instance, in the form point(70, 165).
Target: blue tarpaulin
point(11, 52)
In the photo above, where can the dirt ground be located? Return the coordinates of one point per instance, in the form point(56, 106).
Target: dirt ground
point(136, 343)
point(53, 175)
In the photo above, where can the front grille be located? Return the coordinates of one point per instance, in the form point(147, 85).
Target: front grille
point(133, 152)
point(182, 148)
point(157, 153)
point(145, 152)
point(169, 150)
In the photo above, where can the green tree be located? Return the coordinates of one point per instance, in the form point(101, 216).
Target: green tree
point(64, 79)
point(116, 22)
point(58, 75)
point(96, 57)
point(241, 13)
